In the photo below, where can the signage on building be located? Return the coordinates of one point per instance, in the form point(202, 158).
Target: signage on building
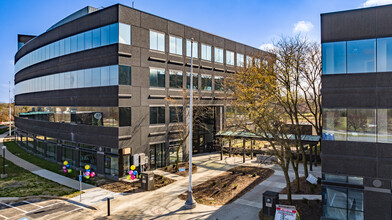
point(285, 212)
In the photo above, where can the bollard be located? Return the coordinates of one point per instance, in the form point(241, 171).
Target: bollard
point(108, 206)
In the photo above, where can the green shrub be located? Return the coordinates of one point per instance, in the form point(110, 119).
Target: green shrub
point(161, 177)
point(201, 200)
point(254, 175)
point(163, 181)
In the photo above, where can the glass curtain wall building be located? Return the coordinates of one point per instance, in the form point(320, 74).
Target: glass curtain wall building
point(104, 86)
point(356, 97)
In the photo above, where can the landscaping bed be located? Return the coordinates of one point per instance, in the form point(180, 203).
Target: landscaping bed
point(305, 187)
point(307, 209)
point(130, 187)
point(229, 186)
point(172, 169)
point(21, 182)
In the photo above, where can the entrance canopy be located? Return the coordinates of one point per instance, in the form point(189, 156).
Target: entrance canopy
point(310, 139)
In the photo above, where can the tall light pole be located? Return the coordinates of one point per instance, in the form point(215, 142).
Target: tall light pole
point(9, 92)
point(190, 202)
point(3, 175)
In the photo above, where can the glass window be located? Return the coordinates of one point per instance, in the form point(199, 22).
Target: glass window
point(113, 28)
point(240, 60)
point(73, 79)
point(218, 83)
point(61, 49)
point(206, 82)
point(342, 203)
point(68, 155)
point(56, 51)
point(125, 116)
point(124, 75)
point(175, 79)
point(206, 52)
point(384, 54)
point(195, 81)
point(249, 61)
point(218, 55)
point(176, 114)
point(51, 150)
point(88, 158)
point(384, 125)
point(67, 80)
point(157, 115)
point(157, 41)
point(105, 35)
point(51, 52)
point(194, 48)
point(124, 34)
point(67, 45)
point(96, 37)
point(96, 77)
point(157, 78)
point(111, 165)
point(113, 75)
point(229, 57)
point(105, 81)
point(334, 124)
point(361, 125)
point(88, 40)
point(175, 45)
point(361, 56)
point(335, 178)
point(80, 41)
point(334, 57)
point(88, 77)
point(80, 80)
point(74, 44)
point(174, 147)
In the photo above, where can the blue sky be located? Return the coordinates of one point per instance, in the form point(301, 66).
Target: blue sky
point(252, 22)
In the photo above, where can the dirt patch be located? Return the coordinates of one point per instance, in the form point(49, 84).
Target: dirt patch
point(307, 209)
point(229, 186)
point(305, 187)
point(127, 187)
point(172, 169)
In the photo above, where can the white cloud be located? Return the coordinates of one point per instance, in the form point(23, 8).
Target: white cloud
point(303, 26)
point(267, 47)
point(370, 3)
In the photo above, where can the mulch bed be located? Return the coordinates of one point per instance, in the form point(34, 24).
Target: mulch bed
point(127, 187)
point(172, 169)
point(228, 186)
point(307, 209)
point(305, 188)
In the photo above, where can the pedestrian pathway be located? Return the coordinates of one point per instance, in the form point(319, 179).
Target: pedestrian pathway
point(91, 195)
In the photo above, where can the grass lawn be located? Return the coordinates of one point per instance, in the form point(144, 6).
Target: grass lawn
point(21, 182)
point(51, 166)
point(6, 129)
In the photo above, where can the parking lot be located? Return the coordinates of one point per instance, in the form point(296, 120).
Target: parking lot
point(39, 209)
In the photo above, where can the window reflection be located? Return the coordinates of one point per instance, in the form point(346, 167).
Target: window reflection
point(98, 37)
point(361, 125)
point(206, 82)
point(157, 115)
point(334, 124)
point(218, 55)
point(361, 56)
point(157, 78)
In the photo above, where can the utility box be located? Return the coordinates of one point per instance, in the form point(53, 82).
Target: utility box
point(147, 181)
point(270, 199)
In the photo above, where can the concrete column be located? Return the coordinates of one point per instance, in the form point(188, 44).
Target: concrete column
point(100, 162)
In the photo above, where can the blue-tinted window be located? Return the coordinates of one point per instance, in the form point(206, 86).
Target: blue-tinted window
point(105, 76)
point(80, 80)
point(113, 33)
point(88, 40)
point(334, 57)
point(361, 56)
point(67, 45)
point(384, 54)
point(74, 44)
point(124, 34)
point(96, 37)
point(80, 41)
point(105, 35)
point(113, 75)
point(56, 50)
point(61, 48)
point(88, 78)
point(96, 77)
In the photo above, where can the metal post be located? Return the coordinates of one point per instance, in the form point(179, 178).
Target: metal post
point(251, 149)
point(80, 185)
point(190, 202)
point(108, 206)
point(230, 148)
point(243, 153)
point(310, 157)
point(3, 175)
point(315, 155)
point(9, 91)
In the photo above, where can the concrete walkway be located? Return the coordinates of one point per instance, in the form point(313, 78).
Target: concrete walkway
point(91, 195)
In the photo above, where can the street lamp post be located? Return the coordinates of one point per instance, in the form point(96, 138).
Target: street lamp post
point(9, 92)
point(3, 175)
point(190, 202)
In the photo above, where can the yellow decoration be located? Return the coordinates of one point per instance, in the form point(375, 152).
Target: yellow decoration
point(65, 163)
point(87, 167)
point(133, 167)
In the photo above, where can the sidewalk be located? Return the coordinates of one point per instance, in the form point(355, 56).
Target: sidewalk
point(91, 195)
